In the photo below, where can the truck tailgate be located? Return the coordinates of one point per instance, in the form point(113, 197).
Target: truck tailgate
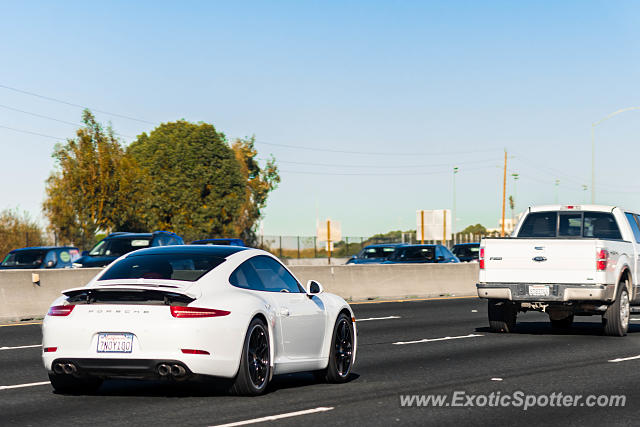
point(539, 261)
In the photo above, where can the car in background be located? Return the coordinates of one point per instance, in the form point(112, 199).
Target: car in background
point(117, 244)
point(40, 257)
point(180, 312)
point(374, 254)
point(467, 252)
point(415, 254)
point(225, 242)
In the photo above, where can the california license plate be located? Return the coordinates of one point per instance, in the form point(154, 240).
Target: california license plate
point(539, 290)
point(115, 343)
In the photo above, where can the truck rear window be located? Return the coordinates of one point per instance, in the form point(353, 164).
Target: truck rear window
point(600, 225)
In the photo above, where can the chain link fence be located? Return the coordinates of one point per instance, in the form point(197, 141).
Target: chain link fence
point(311, 247)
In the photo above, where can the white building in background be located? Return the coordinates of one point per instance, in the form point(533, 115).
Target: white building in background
point(509, 225)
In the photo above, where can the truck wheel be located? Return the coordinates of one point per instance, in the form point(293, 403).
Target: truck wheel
point(562, 323)
point(616, 319)
point(502, 316)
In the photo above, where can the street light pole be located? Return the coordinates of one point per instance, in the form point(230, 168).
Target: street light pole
point(593, 148)
point(453, 219)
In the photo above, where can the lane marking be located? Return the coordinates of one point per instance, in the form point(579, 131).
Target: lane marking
point(20, 324)
point(635, 318)
point(21, 346)
point(6, 387)
point(378, 318)
point(624, 359)
point(438, 339)
point(411, 299)
point(496, 379)
point(276, 417)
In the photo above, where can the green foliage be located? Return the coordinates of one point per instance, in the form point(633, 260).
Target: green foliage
point(18, 230)
point(475, 229)
point(197, 187)
point(95, 186)
point(259, 182)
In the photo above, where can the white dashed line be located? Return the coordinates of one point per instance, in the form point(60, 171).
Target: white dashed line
point(6, 387)
point(378, 318)
point(276, 417)
point(496, 379)
point(624, 359)
point(21, 346)
point(437, 339)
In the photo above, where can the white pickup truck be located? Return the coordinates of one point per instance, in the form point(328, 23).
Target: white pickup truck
point(565, 261)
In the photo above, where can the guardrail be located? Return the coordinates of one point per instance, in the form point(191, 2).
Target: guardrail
point(21, 298)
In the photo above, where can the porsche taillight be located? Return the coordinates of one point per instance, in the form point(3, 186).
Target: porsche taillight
point(195, 312)
point(602, 258)
point(60, 310)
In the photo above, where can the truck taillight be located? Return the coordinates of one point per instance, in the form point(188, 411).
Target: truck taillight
point(481, 259)
point(602, 257)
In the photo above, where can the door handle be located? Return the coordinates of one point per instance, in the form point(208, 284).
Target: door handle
point(284, 311)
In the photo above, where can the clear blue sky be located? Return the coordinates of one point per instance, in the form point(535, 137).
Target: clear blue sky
point(435, 84)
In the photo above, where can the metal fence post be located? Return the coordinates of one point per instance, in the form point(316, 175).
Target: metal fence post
point(280, 246)
point(347, 241)
point(315, 247)
point(298, 247)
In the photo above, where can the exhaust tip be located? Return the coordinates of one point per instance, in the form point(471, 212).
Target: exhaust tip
point(164, 370)
point(69, 368)
point(58, 368)
point(177, 371)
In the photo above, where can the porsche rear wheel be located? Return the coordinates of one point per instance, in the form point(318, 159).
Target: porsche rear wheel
point(255, 367)
point(341, 354)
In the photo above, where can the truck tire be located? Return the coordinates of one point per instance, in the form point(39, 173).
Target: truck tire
point(562, 323)
point(502, 316)
point(616, 319)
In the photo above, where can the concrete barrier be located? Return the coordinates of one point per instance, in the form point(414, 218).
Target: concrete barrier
point(22, 299)
point(289, 262)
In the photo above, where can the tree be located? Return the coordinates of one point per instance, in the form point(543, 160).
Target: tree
point(18, 230)
point(259, 183)
point(475, 229)
point(197, 187)
point(95, 186)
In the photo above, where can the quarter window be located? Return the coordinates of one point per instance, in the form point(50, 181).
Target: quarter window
point(263, 273)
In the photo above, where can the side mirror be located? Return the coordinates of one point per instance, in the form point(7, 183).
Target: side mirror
point(50, 264)
point(84, 253)
point(314, 288)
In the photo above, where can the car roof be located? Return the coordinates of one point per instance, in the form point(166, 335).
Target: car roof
point(120, 235)
point(467, 244)
point(43, 248)
point(221, 251)
point(380, 245)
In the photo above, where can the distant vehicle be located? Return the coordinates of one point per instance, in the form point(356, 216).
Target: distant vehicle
point(565, 261)
point(415, 254)
point(467, 252)
point(40, 257)
point(226, 242)
point(117, 244)
point(188, 312)
point(374, 254)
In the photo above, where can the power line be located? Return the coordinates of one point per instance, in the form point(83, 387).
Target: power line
point(48, 98)
point(375, 153)
point(52, 118)
point(32, 133)
point(383, 174)
point(450, 164)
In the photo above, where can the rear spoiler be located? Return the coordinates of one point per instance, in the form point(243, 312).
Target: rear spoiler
point(91, 294)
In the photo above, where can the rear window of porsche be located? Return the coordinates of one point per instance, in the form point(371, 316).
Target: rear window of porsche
point(182, 266)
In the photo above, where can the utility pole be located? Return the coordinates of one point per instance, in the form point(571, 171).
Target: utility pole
point(584, 188)
point(453, 219)
point(504, 191)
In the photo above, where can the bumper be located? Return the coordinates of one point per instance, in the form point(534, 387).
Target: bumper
point(121, 368)
point(557, 292)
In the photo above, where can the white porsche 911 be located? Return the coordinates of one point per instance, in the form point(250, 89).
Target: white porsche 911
point(178, 312)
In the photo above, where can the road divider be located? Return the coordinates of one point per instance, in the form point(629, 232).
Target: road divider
point(22, 298)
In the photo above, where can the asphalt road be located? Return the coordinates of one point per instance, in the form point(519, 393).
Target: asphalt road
point(534, 361)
